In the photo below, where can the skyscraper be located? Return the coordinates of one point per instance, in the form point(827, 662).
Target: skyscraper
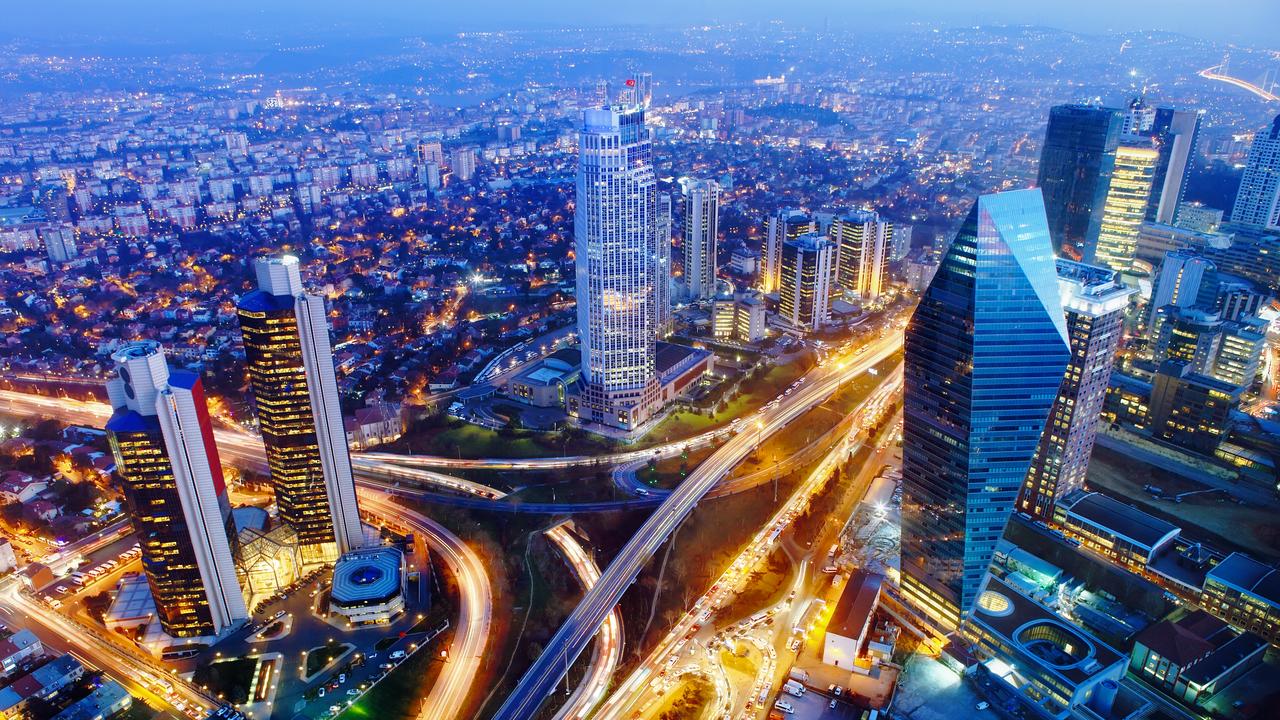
point(1258, 200)
point(701, 223)
point(1125, 207)
point(1174, 134)
point(464, 163)
point(783, 225)
point(162, 439)
point(808, 275)
point(1075, 168)
point(864, 242)
point(1180, 279)
point(662, 269)
point(615, 229)
point(985, 354)
point(295, 390)
point(1095, 304)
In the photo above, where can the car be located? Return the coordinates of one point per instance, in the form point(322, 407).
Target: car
point(353, 692)
point(387, 665)
point(832, 703)
point(63, 590)
point(982, 705)
point(322, 692)
point(342, 678)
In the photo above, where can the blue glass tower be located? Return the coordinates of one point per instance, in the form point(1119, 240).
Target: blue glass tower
point(985, 354)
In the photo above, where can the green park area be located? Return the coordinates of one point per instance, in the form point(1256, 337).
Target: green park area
point(228, 680)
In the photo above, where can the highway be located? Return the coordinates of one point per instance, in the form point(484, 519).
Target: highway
point(608, 652)
point(448, 697)
point(151, 683)
point(590, 614)
point(635, 692)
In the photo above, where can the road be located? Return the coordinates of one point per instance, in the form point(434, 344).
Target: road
point(448, 697)
point(636, 692)
point(590, 614)
point(143, 679)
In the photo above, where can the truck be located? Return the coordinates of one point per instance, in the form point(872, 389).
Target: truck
point(793, 688)
point(785, 707)
point(799, 675)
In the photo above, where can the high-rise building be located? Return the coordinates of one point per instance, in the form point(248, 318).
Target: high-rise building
point(1180, 279)
point(701, 224)
point(615, 230)
point(807, 280)
point(1174, 134)
point(162, 439)
point(662, 269)
point(644, 88)
point(1185, 333)
point(900, 244)
point(295, 392)
point(1258, 199)
point(430, 151)
point(464, 164)
point(1076, 161)
point(59, 242)
point(1095, 303)
point(782, 226)
point(985, 355)
point(1125, 207)
point(863, 241)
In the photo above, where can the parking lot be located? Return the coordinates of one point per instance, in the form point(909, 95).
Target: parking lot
point(928, 690)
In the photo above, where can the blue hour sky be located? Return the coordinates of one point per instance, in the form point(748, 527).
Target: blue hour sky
point(1255, 22)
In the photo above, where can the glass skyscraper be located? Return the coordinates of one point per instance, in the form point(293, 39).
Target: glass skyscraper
point(1076, 162)
point(986, 350)
point(1125, 208)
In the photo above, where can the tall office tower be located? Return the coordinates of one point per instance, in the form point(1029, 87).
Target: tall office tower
point(162, 439)
point(701, 223)
point(615, 229)
point(644, 88)
point(1095, 303)
point(464, 164)
point(1180, 280)
point(1258, 200)
point(1174, 134)
point(985, 355)
point(1125, 207)
point(864, 242)
point(662, 269)
point(807, 281)
point(1075, 169)
point(1191, 409)
point(1236, 299)
point(295, 390)
point(782, 226)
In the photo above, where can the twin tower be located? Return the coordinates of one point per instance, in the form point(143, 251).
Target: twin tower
point(163, 441)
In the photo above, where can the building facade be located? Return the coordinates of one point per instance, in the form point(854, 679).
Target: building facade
point(805, 284)
point(1076, 162)
point(1258, 199)
point(1189, 409)
point(162, 439)
point(615, 230)
point(1095, 303)
point(985, 354)
point(662, 322)
point(782, 226)
point(864, 243)
point(295, 392)
point(701, 224)
point(1125, 207)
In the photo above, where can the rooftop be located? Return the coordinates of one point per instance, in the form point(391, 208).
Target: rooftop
point(1244, 573)
point(856, 604)
point(366, 576)
point(1121, 519)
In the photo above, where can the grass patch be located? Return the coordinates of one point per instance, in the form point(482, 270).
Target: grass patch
point(397, 695)
point(450, 437)
point(318, 658)
point(689, 701)
point(227, 679)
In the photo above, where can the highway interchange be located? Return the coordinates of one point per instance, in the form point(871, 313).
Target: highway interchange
point(383, 475)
